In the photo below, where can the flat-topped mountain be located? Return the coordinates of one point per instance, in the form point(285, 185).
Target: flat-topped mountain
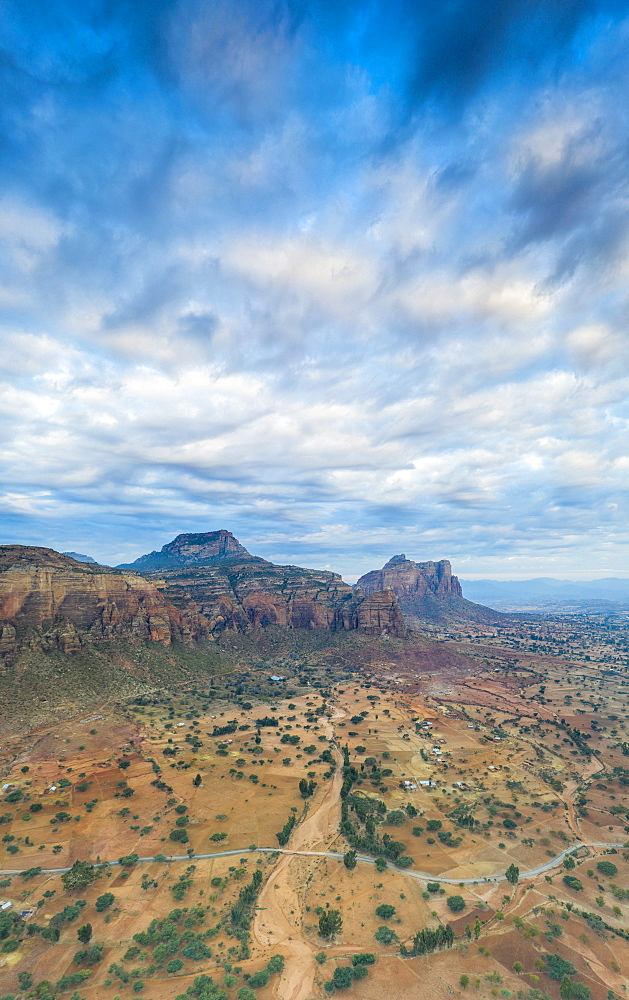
point(425, 591)
point(406, 577)
point(198, 549)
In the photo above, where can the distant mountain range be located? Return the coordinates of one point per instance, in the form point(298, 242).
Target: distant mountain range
point(546, 590)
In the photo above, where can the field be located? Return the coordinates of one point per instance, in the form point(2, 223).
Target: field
point(448, 763)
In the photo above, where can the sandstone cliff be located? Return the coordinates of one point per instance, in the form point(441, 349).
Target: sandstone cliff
point(426, 592)
point(51, 601)
point(408, 578)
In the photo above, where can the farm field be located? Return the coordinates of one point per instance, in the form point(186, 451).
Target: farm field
point(217, 826)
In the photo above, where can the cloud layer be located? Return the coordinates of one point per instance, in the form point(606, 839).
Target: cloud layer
point(347, 279)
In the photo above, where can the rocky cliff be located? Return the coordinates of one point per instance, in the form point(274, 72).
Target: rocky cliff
point(408, 578)
point(425, 591)
point(200, 549)
point(51, 601)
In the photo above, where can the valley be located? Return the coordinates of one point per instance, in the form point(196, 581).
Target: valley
point(216, 814)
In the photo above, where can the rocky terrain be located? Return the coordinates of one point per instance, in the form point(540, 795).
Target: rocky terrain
point(425, 591)
point(206, 584)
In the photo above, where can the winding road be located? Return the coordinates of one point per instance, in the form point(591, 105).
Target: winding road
point(422, 876)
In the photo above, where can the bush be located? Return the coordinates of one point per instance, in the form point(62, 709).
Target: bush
point(432, 886)
point(174, 965)
point(573, 882)
point(558, 967)
point(385, 911)
point(276, 963)
point(343, 977)
point(385, 935)
point(89, 956)
point(364, 958)
point(260, 978)
point(607, 868)
point(434, 824)
point(396, 818)
point(244, 993)
point(456, 903)
point(179, 835)
point(104, 902)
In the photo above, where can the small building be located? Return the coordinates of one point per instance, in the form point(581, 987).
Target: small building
point(425, 784)
point(274, 677)
point(5, 906)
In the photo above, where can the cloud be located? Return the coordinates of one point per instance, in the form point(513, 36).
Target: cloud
point(346, 279)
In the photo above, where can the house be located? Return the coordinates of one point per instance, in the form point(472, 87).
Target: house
point(274, 677)
point(425, 784)
point(5, 906)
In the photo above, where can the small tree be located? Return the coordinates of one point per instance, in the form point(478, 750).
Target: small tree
point(565, 988)
point(477, 929)
point(512, 874)
point(456, 903)
point(381, 865)
point(349, 860)
point(84, 933)
point(385, 911)
point(330, 923)
point(196, 781)
point(79, 876)
point(568, 861)
point(464, 980)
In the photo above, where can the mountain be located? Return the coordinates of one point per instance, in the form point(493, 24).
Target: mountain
point(425, 591)
point(200, 549)
point(79, 557)
point(49, 601)
point(234, 590)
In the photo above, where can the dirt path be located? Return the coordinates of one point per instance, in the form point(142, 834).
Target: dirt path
point(277, 926)
point(570, 791)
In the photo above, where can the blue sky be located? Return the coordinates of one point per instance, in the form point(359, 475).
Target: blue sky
point(347, 279)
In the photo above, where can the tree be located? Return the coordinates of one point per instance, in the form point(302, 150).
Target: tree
point(381, 865)
point(512, 874)
point(518, 967)
point(330, 923)
point(607, 868)
point(385, 911)
point(349, 860)
point(468, 932)
point(568, 861)
point(84, 933)
point(456, 903)
point(196, 781)
point(104, 901)
point(565, 988)
point(464, 980)
point(343, 977)
point(79, 876)
point(477, 929)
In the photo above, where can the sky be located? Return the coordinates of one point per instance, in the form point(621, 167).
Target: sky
point(346, 278)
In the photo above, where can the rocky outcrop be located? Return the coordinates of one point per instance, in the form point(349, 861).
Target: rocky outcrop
point(426, 592)
point(200, 549)
point(410, 579)
point(51, 601)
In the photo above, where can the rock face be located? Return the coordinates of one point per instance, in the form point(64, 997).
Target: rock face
point(410, 579)
point(202, 585)
point(201, 549)
point(52, 601)
point(426, 592)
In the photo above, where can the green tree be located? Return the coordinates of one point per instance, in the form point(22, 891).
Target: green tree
point(477, 929)
point(104, 902)
point(330, 923)
point(464, 980)
point(349, 860)
point(79, 876)
point(196, 781)
point(385, 911)
point(381, 865)
point(565, 988)
point(568, 861)
point(84, 933)
point(512, 874)
point(456, 903)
